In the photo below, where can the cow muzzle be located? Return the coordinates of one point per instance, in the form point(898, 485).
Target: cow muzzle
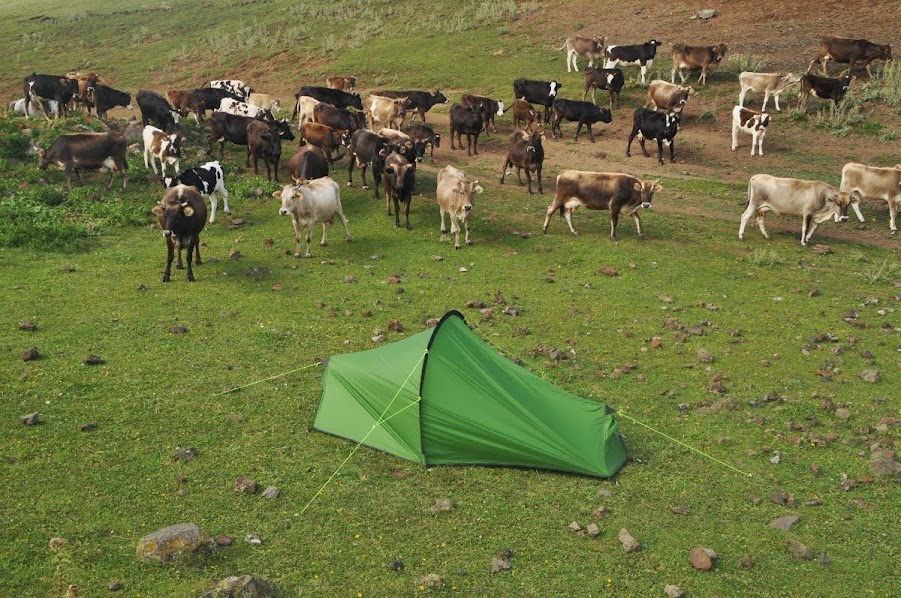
point(283, 212)
point(843, 218)
point(468, 208)
point(646, 205)
point(167, 233)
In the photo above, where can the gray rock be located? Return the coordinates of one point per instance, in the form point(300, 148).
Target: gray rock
point(174, 543)
point(271, 492)
point(28, 326)
point(245, 485)
point(871, 376)
point(674, 591)
point(88, 427)
point(32, 419)
point(244, 586)
point(700, 559)
point(799, 551)
point(94, 360)
point(785, 523)
point(114, 586)
point(843, 413)
point(444, 504)
point(253, 539)
point(629, 543)
point(498, 565)
point(704, 356)
point(574, 526)
point(882, 467)
point(185, 453)
point(30, 354)
point(604, 492)
point(707, 13)
point(432, 581)
point(592, 530)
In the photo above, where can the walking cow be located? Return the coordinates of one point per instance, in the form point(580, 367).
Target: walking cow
point(455, 196)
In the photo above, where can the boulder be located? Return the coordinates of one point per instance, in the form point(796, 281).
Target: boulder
point(243, 586)
point(700, 559)
point(175, 542)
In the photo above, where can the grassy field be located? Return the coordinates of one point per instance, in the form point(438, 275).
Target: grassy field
point(85, 268)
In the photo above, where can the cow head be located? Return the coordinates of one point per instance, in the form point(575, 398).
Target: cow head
point(647, 190)
point(604, 115)
point(885, 52)
point(846, 81)
point(789, 79)
point(436, 139)
point(838, 204)
point(174, 148)
point(439, 97)
point(343, 137)
point(554, 88)
point(535, 142)
point(43, 160)
point(671, 126)
point(290, 195)
point(599, 43)
point(466, 189)
point(654, 43)
point(397, 166)
point(172, 209)
point(356, 101)
point(283, 128)
point(719, 52)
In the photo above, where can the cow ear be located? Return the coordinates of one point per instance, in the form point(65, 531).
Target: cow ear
point(41, 152)
point(277, 194)
point(189, 211)
point(657, 187)
point(158, 210)
point(637, 186)
point(477, 189)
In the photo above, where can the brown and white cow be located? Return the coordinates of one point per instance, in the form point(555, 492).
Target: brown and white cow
point(668, 97)
point(617, 192)
point(161, 146)
point(750, 122)
point(872, 182)
point(813, 201)
point(845, 50)
point(309, 202)
point(455, 196)
point(388, 112)
point(582, 46)
point(769, 84)
point(341, 82)
point(264, 101)
point(87, 151)
point(706, 58)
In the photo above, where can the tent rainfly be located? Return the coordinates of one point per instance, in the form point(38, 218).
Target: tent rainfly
point(443, 397)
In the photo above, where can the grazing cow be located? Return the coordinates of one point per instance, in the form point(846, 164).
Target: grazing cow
point(769, 84)
point(814, 201)
point(208, 98)
point(230, 127)
point(526, 152)
point(523, 113)
point(340, 82)
point(182, 216)
point(824, 88)
point(156, 110)
point(368, 149)
point(619, 193)
point(849, 51)
point(18, 107)
point(264, 101)
point(706, 58)
point(489, 108)
point(181, 101)
point(264, 142)
point(542, 93)
point(400, 177)
point(309, 202)
point(582, 46)
point(326, 138)
point(636, 55)
point(455, 195)
point(419, 101)
point(412, 150)
point(39, 89)
point(309, 162)
point(208, 179)
point(468, 120)
point(85, 95)
point(668, 97)
point(303, 108)
point(337, 118)
point(107, 97)
point(659, 126)
point(87, 151)
point(751, 122)
point(610, 79)
point(335, 97)
point(162, 146)
point(232, 106)
point(421, 132)
point(235, 87)
point(584, 113)
point(387, 111)
point(871, 182)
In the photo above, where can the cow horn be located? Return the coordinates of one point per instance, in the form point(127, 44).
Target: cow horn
point(184, 204)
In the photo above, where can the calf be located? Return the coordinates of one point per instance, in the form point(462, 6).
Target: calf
point(814, 201)
point(751, 122)
point(264, 142)
point(400, 176)
point(582, 46)
point(206, 98)
point(182, 215)
point(542, 93)
point(309, 202)
point(156, 110)
point(386, 111)
point(769, 84)
point(208, 179)
point(636, 55)
point(264, 101)
point(325, 138)
point(610, 79)
point(335, 97)
point(235, 88)
point(584, 113)
point(161, 146)
point(668, 97)
point(230, 127)
point(39, 89)
point(824, 88)
point(647, 124)
point(87, 151)
point(468, 120)
point(310, 162)
point(303, 108)
point(18, 107)
point(421, 132)
point(849, 51)
point(107, 97)
point(232, 106)
point(181, 101)
point(706, 58)
point(412, 150)
point(871, 182)
point(420, 101)
point(455, 195)
point(523, 113)
point(526, 152)
point(367, 148)
point(341, 82)
point(489, 108)
point(337, 118)
point(619, 193)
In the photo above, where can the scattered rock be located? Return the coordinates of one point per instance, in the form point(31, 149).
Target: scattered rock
point(704, 356)
point(799, 551)
point(277, 287)
point(679, 510)
point(843, 413)
point(705, 14)
point(814, 502)
point(378, 338)
point(599, 512)
point(244, 586)
point(882, 467)
point(88, 427)
point(185, 453)
point(30, 354)
point(223, 540)
point(785, 523)
point(607, 270)
point(557, 355)
point(245, 485)
point(32, 419)
point(437, 258)
point(350, 279)
point(745, 562)
point(498, 565)
point(432, 581)
point(779, 497)
point(871, 376)
point(700, 559)
point(824, 559)
point(443, 504)
point(487, 313)
point(271, 492)
point(367, 313)
point(175, 542)
point(592, 530)
point(674, 591)
point(395, 326)
point(114, 586)
point(67, 268)
point(253, 539)
point(94, 360)
point(178, 330)
point(813, 293)
point(604, 493)
point(821, 249)
point(28, 326)
point(234, 254)
point(575, 527)
point(629, 543)
point(475, 304)
point(396, 566)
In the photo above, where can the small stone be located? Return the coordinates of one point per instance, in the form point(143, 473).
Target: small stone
point(367, 313)
point(843, 413)
point(799, 551)
point(487, 313)
point(704, 356)
point(745, 563)
point(253, 539)
point(824, 559)
point(599, 512)
point(32, 419)
point(178, 330)
point(882, 467)
point(813, 293)
point(705, 14)
point(114, 586)
point(700, 559)
point(28, 326)
point(88, 427)
point(223, 540)
point(604, 493)
point(245, 485)
point(629, 543)
point(871, 376)
point(785, 523)
point(608, 271)
point(498, 565)
point(395, 326)
point(94, 360)
point(185, 454)
point(396, 566)
point(30, 354)
point(68, 268)
point(592, 530)
point(277, 287)
point(475, 304)
point(437, 258)
point(557, 355)
point(779, 497)
point(244, 586)
point(679, 510)
point(432, 581)
point(814, 502)
point(350, 279)
point(234, 254)
point(444, 504)
point(575, 527)
point(270, 492)
point(175, 542)
point(674, 591)
point(378, 338)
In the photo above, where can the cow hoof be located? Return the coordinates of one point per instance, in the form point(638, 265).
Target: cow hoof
point(228, 211)
point(456, 247)
point(297, 255)
point(308, 255)
point(408, 227)
point(179, 267)
point(323, 244)
point(190, 279)
point(443, 231)
point(469, 242)
point(165, 279)
point(349, 184)
point(365, 186)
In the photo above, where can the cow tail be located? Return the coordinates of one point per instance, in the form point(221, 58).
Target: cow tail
point(560, 209)
point(749, 193)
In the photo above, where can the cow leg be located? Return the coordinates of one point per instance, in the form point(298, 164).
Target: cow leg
point(396, 208)
point(507, 164)
point(222, 149)
point(146, 165)
point(672, 75)
point(568, 214)
point(807, 227)
point(363, 173)
point(465, 220)
point(614, 96)
point(475, 145)
point(629, 144)
point(254, 161)
point(761, 216)
point(538, 177)
point(179, 265)
point(468, 144)
point(197, 249)
point(347, 235)
point(637, 220)
point(224, 192)
point(766, 98)
point(824, 61)
point(644, 150)
point(350, 170)
point(644, 71)
point(519, 174)
point(298, 234)
point(745, 217)
point(191, 245)
point(776, 99)
point(614, 220)
point(892, 213)
point(170, 255)
point(672, 151)
point(590, 133)
point(123, 171)
point(309, 239)
point(735, 137)
point(324, 241)
point(578, 130)
point(702, 80)
point(69, 168)
point(444, 228)
point(214, 202)
point(529, 178)
point(455, 229)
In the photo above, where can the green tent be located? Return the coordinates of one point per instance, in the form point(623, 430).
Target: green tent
point(443, 396)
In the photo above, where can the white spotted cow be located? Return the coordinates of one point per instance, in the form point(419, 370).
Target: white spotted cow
point(750, 122)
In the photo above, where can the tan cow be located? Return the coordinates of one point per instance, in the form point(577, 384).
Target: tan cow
point(455, 197)
point(523, 113)
point(304, 108)
point(706, 58)
point(668, 97)
point(871, 182)
point(769, 84)
point(341, 82)
point(389, 112)
point(582, 46)
point(264, 101)
point(814, 201)
point(309, 202)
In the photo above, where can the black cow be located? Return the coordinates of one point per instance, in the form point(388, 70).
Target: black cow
point(368, 149)
point(400, 177)
point(156, 110)
point(87, 151)
point(489, 108)
point(208, 179)
point(231, 127)
point(824, 88)
point(39, 88)
point(420, 101)
point(208, 98)
point(309, 163)
point(661, 126)
point(423, 133)
point(182, 216)
point(468, 120)
point(335, 97)
point(610, 79)
point(542, 93)
point(338, 118)
point(526, 152)
point(584, 113)
point(636, 55)
point(107, 97)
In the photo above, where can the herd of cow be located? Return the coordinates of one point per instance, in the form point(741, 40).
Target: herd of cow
point(373, 135)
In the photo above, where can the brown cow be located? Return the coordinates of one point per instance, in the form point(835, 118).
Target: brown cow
point(523, 113)
point(183, 102)
point(526, 152)
point(182, 216)
point(325, 138)
point(667, 97)
point(582, 46)
point(341, 82)
point(75, 152)
point(310, 162)
point(706, 58)
point(849, 51)
point(264, 142)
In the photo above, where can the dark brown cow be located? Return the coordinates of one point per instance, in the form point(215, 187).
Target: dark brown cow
point(824, 88)
point(87, 151)
point(619, 193)
point(400, 176)
point(309, 163)
point(526, 152)
point(325, 138)
point(264, 142)
point(610, 79)
point(489, 108)
point(852, 52)
point(523, 113)
point(341, 82)
point(705, 58)
point(182, 216)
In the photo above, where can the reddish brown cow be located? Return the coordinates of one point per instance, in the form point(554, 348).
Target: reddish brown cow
point(325, 138)
point(705, 58)
point(341, 82)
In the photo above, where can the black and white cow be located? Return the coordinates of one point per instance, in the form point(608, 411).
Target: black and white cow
point(235, 87)
point(659, 126)
point(636, 55)
point(232, 106)
point(537, 92)
point(824, 88)
point(208, 179)
point(39, 89)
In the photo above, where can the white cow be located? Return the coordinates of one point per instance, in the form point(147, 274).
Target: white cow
point(871, 182)
point(264, 101)
point(455, 195)
point(160, 146)
point(769, 84)
point(304, 108)
point(232, 106)
point(814, 201)
point(387, 111)
point(18, 107)
point(309, 202)
point(752, 123)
